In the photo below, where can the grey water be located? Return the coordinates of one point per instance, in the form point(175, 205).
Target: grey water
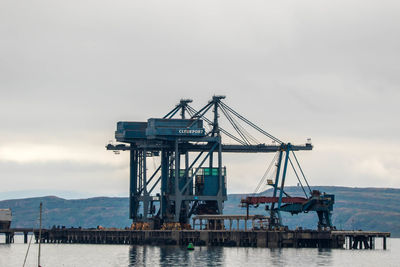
point(126, 255)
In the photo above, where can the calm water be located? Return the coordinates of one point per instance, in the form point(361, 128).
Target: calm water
point(125, 255)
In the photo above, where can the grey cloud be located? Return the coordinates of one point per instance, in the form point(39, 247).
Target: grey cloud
point(69, 70)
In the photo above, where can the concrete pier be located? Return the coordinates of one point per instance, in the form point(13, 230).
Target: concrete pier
point(236, 238)
point(239, 238)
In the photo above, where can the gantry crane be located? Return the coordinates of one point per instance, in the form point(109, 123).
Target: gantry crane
point(191, 177)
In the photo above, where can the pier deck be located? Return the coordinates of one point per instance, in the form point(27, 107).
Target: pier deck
point(240, 238)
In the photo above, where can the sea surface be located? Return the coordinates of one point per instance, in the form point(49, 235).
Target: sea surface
point(126, 255)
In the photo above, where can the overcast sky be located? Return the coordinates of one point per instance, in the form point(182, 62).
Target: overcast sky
point(69, 70)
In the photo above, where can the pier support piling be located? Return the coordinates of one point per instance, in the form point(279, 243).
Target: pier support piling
point(25, 237)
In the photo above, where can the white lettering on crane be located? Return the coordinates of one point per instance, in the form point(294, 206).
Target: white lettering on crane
point(190, 131)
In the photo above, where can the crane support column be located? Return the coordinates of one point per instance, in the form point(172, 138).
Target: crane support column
point(164, 182)
point(178, 198)
point(220, 178)
point(133, 184)
point(283, 182)
point(278, 170)
point(144, 188)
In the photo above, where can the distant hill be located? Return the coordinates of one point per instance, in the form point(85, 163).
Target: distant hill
point(374, 209)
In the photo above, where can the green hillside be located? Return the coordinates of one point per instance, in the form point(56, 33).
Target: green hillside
point(355, 208)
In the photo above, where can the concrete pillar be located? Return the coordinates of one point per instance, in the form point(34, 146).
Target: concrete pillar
point(365, 241)
point(230, 224)
point(261, 239)
point(356, 243)
point(25, 237)
point(204, 237)
point(273, 239)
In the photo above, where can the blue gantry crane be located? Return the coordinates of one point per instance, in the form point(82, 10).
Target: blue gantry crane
point(191, 178)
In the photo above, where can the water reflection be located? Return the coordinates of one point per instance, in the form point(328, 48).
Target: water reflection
point(276, 256)
point(121, 255)
point(240, 256)
point(175, 256)
point(133, 256)
point(324, 257)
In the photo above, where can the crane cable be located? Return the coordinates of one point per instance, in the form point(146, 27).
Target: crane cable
point(239, 127)
point(298, 179)
point(251, 124)
point(301, 170)
point(262, 180)
point(221, 129)
point(249, 136)
point(235, 127)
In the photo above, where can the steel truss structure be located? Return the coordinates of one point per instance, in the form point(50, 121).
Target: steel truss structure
point(191, 177)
